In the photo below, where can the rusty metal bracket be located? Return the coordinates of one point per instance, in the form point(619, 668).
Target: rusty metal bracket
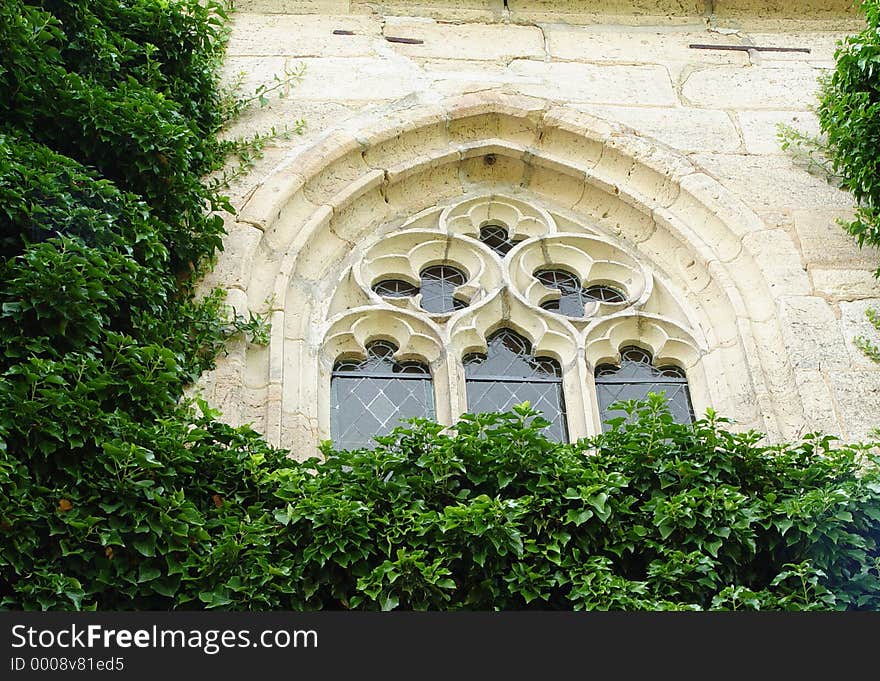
point(405, 41)
point(749, 48)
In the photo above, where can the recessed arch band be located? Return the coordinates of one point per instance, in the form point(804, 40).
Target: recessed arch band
point(303, 226)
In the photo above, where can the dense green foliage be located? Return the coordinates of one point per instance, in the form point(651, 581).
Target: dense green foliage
point(849, 115)
point(651, 515)
point(108, 120)
point(116, 495)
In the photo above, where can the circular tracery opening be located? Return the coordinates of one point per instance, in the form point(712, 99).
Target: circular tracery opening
point(497, 238)
point(573, 297)
point(395, 288)
point(438, 288)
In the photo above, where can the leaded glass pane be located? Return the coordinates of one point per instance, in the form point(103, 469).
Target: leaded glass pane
point(573, 297)
point(395, 288)
point(497, 238)
point(438, 288)
point(634, 378)
point(508, 374)
point(370, 397)
point(604, 294)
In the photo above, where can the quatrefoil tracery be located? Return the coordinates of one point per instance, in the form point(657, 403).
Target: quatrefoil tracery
point(495, 259)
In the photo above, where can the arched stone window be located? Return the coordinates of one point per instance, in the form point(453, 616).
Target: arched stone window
point(636, 376)
point(370, 396)
point(509, 374)
point(499, 305)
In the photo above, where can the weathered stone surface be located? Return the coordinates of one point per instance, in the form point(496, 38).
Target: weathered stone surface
point(651, 45)
point(857, 394)
point(490, 42)
point(854, 324)
point(449, 10)
point(294, 6)
point(290, 35)
point(767, 183)
point(646, 85)
point(821, 45)
point(824, 242)
point(357, 79)
point(760, 129)
point(777, 256)
point(820, 415)
point(611, 12)
point(792, 87)
point(685, 129)
point(839, 285)
point(812, 334)
point(454, 77)
point(775, 9)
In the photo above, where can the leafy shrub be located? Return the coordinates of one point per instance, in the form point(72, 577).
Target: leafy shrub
point(849, 115)
point(651, 515)
point(109, 114)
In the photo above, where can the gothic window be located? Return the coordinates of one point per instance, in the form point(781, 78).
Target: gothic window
point(572, 296)
point(596, 295)
point(508, 374)
point(635, 377)
point(370, 396)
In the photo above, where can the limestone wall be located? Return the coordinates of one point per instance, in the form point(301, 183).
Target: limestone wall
point(548, 90)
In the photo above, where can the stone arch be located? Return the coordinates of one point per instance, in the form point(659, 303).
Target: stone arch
point(303, 227)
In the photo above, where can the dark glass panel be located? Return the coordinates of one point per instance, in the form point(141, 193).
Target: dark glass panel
point(573, 296)
point(571, 299)
point(604, 294)
point(546, 397)
point(497, 238)
point(395, 288)
point(635, 377)
point(370, 397)
point(508, 374)
point(438, 286)
point(510, 355)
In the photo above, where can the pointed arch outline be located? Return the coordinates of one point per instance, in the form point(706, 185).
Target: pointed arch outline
point(324, 205)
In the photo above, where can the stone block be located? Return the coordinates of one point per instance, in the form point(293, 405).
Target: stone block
point(727, 87)
point(448, 10)
point(652, 45)
point(857, 394)
point(779, 260)
point(479, 42)
point(357, 79)
point(821, 45)
point(643, 85)
point(770, 183)
point(824, 242)
point(855, 324)
point(760, 129)
point(812, 334)
point(818, 404)
point(294, 6)
point(292, 35)
point(683, 128)
point(631, 12)
point(845, 284)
